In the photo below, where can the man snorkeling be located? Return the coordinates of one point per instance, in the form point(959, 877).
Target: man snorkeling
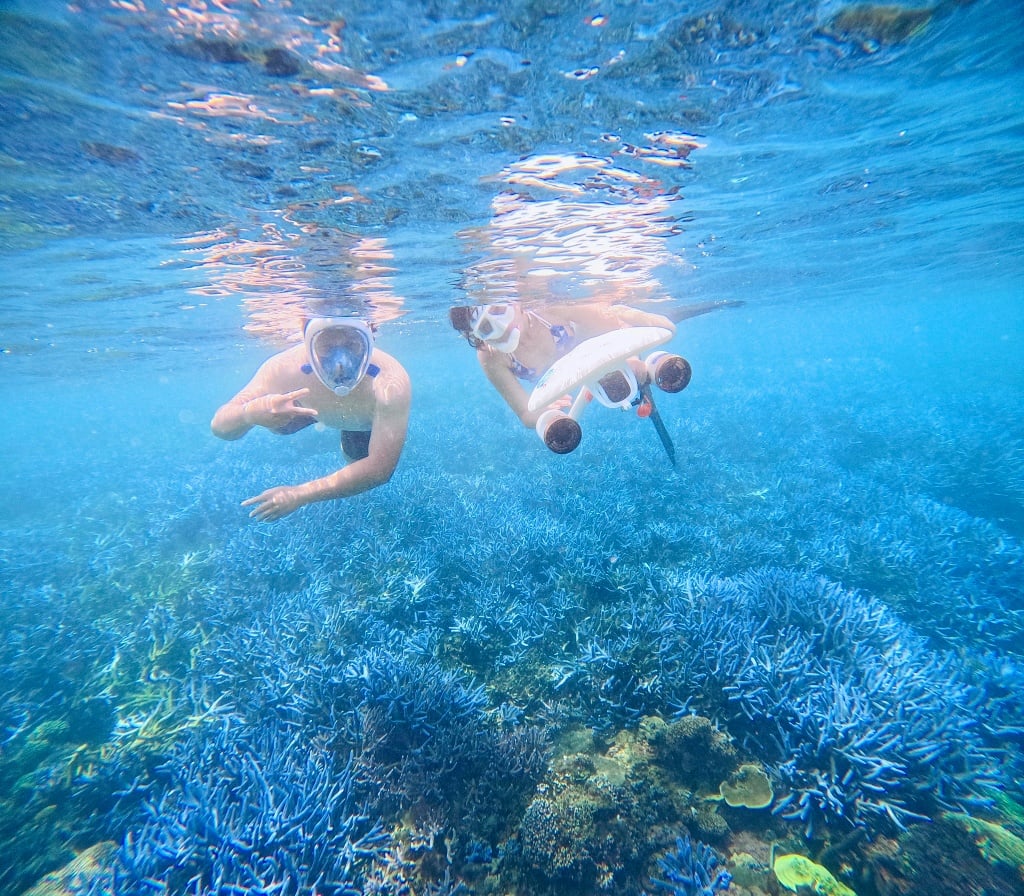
point(338, 378)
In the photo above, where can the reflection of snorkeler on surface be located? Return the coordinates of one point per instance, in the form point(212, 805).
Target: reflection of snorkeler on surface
point(338, 378)
point(515, 343)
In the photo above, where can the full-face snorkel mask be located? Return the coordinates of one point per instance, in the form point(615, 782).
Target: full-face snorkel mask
point(493, 324)
point(339, 350)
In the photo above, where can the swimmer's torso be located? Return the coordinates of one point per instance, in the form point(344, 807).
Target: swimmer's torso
point(544, 341)
point(353, 411)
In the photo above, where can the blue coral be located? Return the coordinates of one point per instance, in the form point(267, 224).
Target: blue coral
point(250, 811)
point(863, 721)
point(692, 869)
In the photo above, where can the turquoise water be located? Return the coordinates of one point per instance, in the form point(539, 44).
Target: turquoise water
point(483, 676)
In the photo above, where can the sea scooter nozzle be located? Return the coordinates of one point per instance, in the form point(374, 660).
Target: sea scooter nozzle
point(560, 432)
point(670, 373)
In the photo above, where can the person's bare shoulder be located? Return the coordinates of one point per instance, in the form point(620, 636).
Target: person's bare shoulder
point(392, 385)
point(569, 311)
point(278, 372)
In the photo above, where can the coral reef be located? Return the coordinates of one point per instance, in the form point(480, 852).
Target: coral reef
point(252, 810)
point(875, 25)
point(608, 809)
point(172, 671)
point(997, 844)
point(749, 787)
point(819, 681)
point(80, 874)
point(942, 857)
point(692, 750)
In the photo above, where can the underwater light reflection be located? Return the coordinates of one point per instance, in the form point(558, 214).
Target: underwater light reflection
point(284, 277)
point(574, 226)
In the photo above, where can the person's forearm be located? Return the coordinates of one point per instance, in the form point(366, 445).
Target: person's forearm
point(631, 317)
point(688, 311)
point(516, 397)
point(353, 479)
point(232, 421)
point(529, 418)
point(519, 403)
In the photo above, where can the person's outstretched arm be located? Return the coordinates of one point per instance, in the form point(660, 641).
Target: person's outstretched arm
point(634, 317)
point(594, 318)
point(496, 367)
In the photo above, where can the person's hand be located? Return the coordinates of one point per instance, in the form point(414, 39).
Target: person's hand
point(274, 503)
point(276, 410)
point(562, 404)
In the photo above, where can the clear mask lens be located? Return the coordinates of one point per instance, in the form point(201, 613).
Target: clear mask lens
point(340, 354)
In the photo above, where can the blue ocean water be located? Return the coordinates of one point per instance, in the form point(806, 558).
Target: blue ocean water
point(493, 673)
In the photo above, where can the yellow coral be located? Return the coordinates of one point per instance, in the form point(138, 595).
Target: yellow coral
point(884, 24)
point(801, 875)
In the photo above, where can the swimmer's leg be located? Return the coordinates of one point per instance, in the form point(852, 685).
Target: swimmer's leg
point(687, 311)
point(355, 444)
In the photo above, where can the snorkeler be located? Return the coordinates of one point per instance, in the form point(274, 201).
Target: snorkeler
point(517, 344)
point(335, 377)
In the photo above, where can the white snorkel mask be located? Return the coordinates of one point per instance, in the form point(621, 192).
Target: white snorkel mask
point(339, 350)
point(493, 324)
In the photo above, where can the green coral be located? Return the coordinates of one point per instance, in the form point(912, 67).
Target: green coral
point(995, 842)
point(1011, 810)
point(941, 857)
point(125, 709)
